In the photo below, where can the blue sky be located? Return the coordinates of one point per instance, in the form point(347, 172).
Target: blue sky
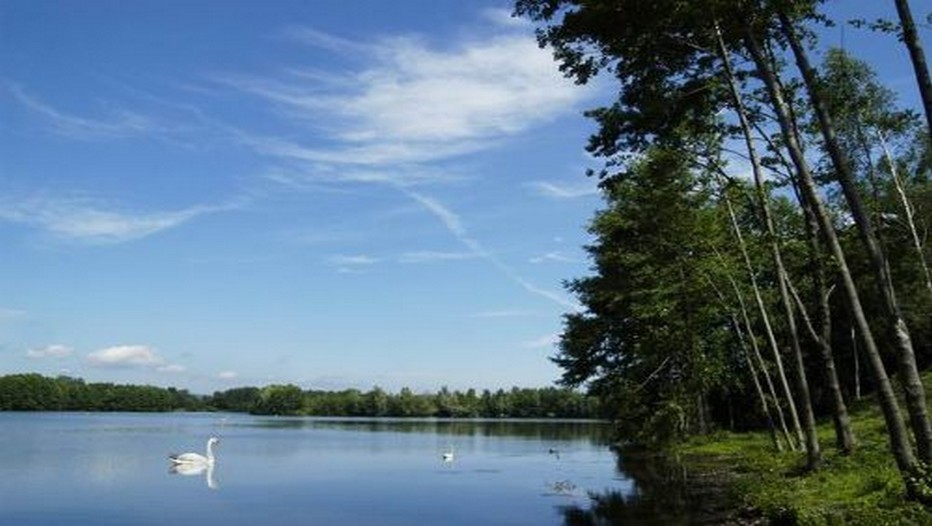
point(335, 194)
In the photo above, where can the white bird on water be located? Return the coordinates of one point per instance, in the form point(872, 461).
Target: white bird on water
point(196, 458)
point(448, 455)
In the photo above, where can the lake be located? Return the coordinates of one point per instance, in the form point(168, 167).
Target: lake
point(112, 468)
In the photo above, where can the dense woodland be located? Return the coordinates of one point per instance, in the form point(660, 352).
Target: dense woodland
point(762, 258)
point(34, 392)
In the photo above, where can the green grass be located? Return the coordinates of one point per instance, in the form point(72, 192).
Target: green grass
point(864, 488)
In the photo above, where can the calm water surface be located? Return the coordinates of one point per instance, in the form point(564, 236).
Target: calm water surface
point(71, 468)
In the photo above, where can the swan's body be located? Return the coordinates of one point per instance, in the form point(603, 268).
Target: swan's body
point(448, 455)
point(196, 459)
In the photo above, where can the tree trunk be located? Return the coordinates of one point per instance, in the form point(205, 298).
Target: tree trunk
point(768, 328)
point(762, 366)
point(899, 440)
point(844, 435)
point(908, 209)
point(898, 330)
point(918, 57)
point(813, 452)
point(857, 365)
point(757, 387)
point(761, 397)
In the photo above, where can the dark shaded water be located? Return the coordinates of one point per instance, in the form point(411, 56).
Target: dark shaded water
point(69, 468)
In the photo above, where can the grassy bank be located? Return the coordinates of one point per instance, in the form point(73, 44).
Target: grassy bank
point(864, 488)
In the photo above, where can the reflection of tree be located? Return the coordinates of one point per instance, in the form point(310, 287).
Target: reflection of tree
point(664, 494)
point(541, 430)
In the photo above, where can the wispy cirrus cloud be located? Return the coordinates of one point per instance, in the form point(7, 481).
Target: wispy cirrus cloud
point(81, 220)
point(505, 313)
point(354, 260)
point(117, 123)
point(431, 256)
point(455, 226)
point(410, 102)
point(564, 191)
point(544, 342)
point(404, 108)
point(554, 257)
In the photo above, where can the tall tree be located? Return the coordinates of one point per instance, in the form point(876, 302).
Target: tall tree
point(898, 331)
point(638, 341)
point(911, 39)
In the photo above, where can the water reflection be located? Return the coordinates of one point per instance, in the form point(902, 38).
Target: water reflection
point(193, 470)
point(664, 493)
point(103, 470)
point(557, 430)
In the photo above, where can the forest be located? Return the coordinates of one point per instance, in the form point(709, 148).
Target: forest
point(34, 392)
point(761, 260)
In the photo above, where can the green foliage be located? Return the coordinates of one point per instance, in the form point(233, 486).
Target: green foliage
point(864, 488)
point(279, 400)
point(33, 392)
point(649, 342)
point(919, 483)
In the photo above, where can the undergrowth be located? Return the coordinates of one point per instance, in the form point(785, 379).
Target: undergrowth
point(864, 488)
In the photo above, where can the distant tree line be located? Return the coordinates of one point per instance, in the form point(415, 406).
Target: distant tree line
point(549, 402)
point(34, 392)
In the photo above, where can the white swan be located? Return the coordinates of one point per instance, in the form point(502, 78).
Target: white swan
point(448, 455)
point(196, 458)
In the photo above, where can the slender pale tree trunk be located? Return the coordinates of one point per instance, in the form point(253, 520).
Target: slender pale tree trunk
point(746, 318)
point(899, 440)
point(908, 209)
point(746, 352)
point(857, 365)
point(765, 317)
point(762, 399)
point(918, 57)
point(813, 450)
point(898, 330)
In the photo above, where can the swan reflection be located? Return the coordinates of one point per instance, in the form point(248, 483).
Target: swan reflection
point(196, 469)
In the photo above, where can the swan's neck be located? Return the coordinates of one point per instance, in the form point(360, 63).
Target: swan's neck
point(210, 452)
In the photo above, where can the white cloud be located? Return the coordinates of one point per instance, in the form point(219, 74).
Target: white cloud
point(554, 257)
point(118, 123)
point(227, 375)
point(415, 103)
point(546, 341)
point(430, 256)
point(325, 41)
point(126, 356)
point(50, 351)
point(503, 17)
point(356, 260)
point(512, 313)
point(453, 223)
point(172, 368)
point(558, 191)
point(80, 220)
